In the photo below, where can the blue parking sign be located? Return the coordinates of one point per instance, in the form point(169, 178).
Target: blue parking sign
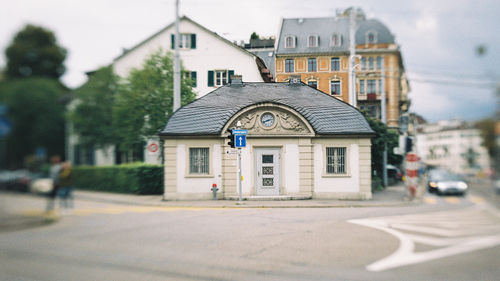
point(240, 141)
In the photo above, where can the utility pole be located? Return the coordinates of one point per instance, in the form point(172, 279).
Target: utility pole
point(352, 57)
point(177, 65)
point(383, 108)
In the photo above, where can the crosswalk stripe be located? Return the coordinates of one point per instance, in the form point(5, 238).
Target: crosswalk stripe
point(430, 200)
point(452, 200)
point(476, 199)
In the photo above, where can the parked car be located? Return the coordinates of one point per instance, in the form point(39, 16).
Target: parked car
point(394, 175)
point(497, 186)
point(444, 182)
point(17, 180)
point(41, 186)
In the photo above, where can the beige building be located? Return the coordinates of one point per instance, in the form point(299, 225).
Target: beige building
point(318, 50)
point(301, 143)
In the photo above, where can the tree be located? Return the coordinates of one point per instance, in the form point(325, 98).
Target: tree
point(92, 117)
point(254, 35)
point(144, 104)
point(34, 52)
point(383, 137)
point(36, 112)
point(487, 131)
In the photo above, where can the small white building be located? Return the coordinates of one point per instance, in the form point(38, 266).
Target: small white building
point(452, 144)
point(301, 143)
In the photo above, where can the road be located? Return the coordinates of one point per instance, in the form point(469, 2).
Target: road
point(444, 238)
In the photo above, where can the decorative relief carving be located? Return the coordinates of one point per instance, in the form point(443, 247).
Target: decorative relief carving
point(285, 123)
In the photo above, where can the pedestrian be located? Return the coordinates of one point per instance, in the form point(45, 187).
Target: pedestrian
point(54, 172)
point(66, 187)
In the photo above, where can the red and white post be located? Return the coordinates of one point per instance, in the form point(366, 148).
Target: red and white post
point(412, 173)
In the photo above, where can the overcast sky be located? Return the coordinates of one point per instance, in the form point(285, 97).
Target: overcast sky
point(438, 39)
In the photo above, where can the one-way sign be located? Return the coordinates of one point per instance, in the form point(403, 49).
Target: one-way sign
point(240, 141)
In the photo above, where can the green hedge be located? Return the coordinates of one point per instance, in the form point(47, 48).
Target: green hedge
point(136, 178)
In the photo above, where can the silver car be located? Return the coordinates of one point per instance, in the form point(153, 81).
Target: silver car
point(444, 182)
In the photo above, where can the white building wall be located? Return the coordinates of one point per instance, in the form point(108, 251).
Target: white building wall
point(291, 168)
point(198, 185)
point(105, 156)
point(345, 184)
point(211, 53)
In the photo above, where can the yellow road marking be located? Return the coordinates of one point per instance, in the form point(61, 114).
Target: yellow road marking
point(430, 200)
point(452, 200)
point(476, 199)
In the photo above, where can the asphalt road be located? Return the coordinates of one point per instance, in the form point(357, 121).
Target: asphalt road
point(443, 238)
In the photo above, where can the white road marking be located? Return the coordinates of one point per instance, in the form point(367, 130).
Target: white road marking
point(485, 233)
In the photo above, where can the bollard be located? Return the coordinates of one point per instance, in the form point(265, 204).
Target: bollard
point(214, 191)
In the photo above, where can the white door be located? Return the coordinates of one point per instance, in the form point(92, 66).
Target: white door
point(267, 167)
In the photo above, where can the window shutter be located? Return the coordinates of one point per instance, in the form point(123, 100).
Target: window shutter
point(231, 73)
point(172, 37)
point(210, 78)
point(193, 78)
point(193, 41)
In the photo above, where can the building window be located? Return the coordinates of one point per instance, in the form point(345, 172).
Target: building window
point(219, 78)
point(370, 63)
point(199, 160)
point(312, 41)
point(289, 65)
point(379, 62)
point(371, 86)
point(363, 63)
point(313, 83)
point(186, 41)
point(336, 160)
point(335, 88)
point(335, 64)
point(362, 87)
point(371, 37)
point(290, 42)
point(311, 65)
point(371, 110)
point(336, 40)
point(379, 86)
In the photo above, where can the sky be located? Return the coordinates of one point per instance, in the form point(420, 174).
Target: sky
point(438, 38)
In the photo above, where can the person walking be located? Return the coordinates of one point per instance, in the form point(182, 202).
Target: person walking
point(66, 188)
point(54, 172)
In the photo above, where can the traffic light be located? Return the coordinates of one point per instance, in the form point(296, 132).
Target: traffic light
point(409, 144)
point(231, 138)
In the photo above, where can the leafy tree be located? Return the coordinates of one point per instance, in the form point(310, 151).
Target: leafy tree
point(382, 137)
point(487, 129)
point(34, 52)
point(36, 112)
point(254, 35)
point(145, 101)
point(92, 117)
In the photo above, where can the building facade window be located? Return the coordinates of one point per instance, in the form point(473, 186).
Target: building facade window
point(371, 86)
point(362, 87)
point(199, 160)
point(380, 61)
point(336, 160)
point(336, 40)
point(311, 65)
point(371, 37)
point(186, 41)
point(370, 63)
point(289, 65)
point(335, 88)
point(290, 42)
point(219, 78)
point(313, 83)
point(363, 63)
point(335, 64)
point(379, 86)
point(312, 41)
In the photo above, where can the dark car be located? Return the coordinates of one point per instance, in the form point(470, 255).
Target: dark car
point(444, 182)
point(394, 175)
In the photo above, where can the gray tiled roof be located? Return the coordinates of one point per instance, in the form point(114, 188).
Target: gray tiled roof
point(209, 114)
point(301, 28)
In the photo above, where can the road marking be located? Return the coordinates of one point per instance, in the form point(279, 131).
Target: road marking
point(476, 199)
point(452, 200)
point(456, 232)
point(430, 200)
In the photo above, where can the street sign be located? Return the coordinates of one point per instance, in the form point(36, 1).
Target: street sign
point(240, 141)
point(240, 132)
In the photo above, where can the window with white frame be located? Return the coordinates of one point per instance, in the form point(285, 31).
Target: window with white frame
point(335, 64)
point(336, 40)
point(311, 65)
point(312, 41)
point(371, 86)
point(290, 42)
point(220, 77)
point(199, 160)
point(370, 63)
point(379, 86)
point(371, 37)
point(335, 87)
point(363, 63)
point(336, 160)
point(380, 61)
point(289, 65)
point(362, 87)
point(185, 41)
point(313, 83)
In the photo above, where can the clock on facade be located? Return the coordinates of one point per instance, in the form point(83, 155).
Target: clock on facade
point(267, 119)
